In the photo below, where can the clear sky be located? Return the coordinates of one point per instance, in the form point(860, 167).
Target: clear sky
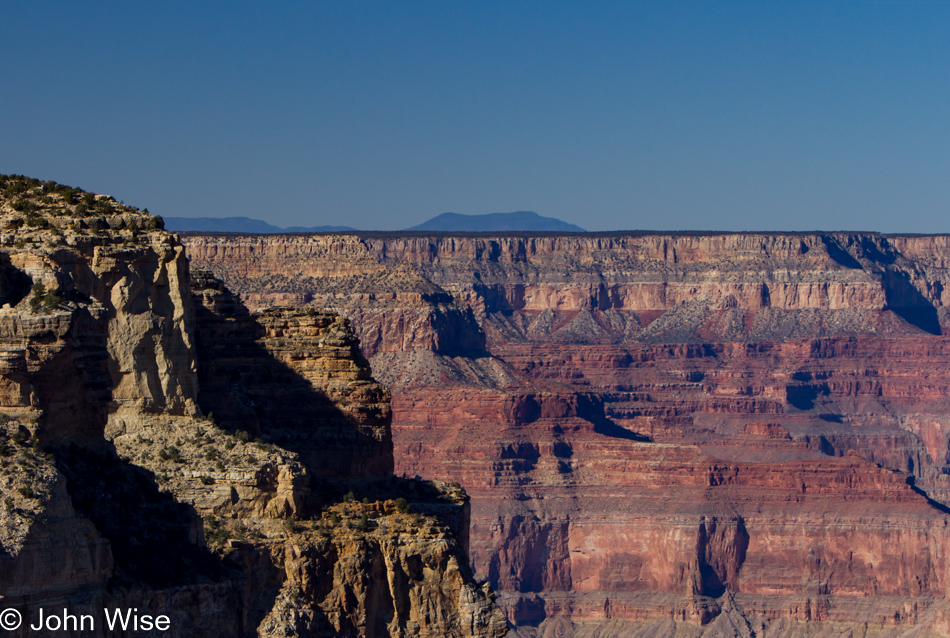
point(379, 115)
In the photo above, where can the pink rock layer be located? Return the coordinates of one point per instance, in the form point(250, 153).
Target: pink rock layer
point(661, 427)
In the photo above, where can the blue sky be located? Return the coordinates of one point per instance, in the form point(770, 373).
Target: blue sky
point(380, 115)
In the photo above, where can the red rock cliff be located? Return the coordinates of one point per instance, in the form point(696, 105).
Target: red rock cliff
point(749, 429)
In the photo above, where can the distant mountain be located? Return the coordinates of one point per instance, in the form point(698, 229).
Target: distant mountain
point(520, 220)
point(240, 225)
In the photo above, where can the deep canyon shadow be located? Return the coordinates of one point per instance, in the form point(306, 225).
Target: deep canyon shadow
point(247, 389)
point(154, 538)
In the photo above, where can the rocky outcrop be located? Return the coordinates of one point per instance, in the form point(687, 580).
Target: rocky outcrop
point(716, 434)
point(164, 449)
point(296, 376)
point(400, 576)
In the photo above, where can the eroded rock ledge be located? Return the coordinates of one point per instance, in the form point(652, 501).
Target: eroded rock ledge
point(163, 448)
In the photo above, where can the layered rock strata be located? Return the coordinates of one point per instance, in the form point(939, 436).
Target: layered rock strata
point(121, 489)
point(729, 434)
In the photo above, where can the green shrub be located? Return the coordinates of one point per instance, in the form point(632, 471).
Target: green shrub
point(52, 300)
point(26, 206)
point(170, 453)
point(39, 292)
point(215, 532)
point(15, 188)
point(69, 195)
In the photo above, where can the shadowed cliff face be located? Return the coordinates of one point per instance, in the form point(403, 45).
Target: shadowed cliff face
point(713, 434)
point(118, 491)
point(96, 327)
point(261, 374)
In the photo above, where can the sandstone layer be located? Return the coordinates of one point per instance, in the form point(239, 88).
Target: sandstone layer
point(694, 434)
point(164, 449)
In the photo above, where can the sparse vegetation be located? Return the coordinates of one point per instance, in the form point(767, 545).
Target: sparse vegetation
point(41, 203)
point(216, 534)
point(171, 454)
point(43, 300)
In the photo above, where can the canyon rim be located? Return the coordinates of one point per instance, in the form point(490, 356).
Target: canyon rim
point(738, 434)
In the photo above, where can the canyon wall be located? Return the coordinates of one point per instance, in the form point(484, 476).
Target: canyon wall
point(704, 433)
point(162, 448)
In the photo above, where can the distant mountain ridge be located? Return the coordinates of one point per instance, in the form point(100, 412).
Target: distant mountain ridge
point(522, 220)
point(240, 225)
point(492, 222)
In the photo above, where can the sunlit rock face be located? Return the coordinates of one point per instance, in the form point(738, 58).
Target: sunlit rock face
point(164, 450)
point(721, 434)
